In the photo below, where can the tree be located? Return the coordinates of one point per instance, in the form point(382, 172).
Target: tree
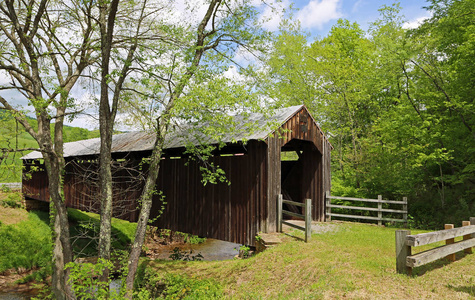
point(223, 28)
point(43, 53)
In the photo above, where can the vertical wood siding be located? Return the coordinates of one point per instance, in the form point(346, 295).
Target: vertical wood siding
point(235, 212)
point(310, 176)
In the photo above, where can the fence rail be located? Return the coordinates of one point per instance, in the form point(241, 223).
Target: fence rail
point(405, 261)
point(11, 185)
point(307, 216)
point(329, 214)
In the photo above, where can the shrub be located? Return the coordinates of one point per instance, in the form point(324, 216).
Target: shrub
point(153, 285)
point(5, 188)
point(13, 200)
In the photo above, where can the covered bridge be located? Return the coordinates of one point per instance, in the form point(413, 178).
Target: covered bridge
point(233, 212)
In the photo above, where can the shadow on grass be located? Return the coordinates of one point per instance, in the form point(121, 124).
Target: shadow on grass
point(42, 215)
point(470, 289)
point(419, 271)
point(294, 236)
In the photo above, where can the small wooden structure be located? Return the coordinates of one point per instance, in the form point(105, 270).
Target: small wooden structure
point(235, 212)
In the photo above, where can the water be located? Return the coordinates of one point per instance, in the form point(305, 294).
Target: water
point(15, 296)
point(211, 250)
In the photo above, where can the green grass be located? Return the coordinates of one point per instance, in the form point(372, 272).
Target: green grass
point(26, 245)
point(87, 224)
point(357, 262)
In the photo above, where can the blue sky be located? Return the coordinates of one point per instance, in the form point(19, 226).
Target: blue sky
point(318, 16)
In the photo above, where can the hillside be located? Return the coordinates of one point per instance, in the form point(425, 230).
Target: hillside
point(13, 136)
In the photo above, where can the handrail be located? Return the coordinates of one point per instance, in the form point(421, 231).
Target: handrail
point(405, 261)
point(378, 209)
point(307, 216)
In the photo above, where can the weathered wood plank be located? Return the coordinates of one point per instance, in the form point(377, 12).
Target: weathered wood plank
point(402, 251)
point(450, 257)
point(467, 237)
point(328, 206)
point(364, 217)
point(289, 213)
point(293, 203)
point(437, 253)
point(308, 219)
point(367, 200)
point(367, 208)
point(437, 236)
point(279, 213)
point(380, 207)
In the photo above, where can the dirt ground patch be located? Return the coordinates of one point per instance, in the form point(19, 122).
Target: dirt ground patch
point(9, 216)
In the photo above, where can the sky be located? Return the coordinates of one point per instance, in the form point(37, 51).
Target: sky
point(315, 16)
point(318, 16)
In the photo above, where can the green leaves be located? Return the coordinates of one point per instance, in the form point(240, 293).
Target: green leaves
point(397, 105)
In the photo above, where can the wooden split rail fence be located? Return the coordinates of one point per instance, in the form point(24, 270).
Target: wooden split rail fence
point(405, 261)
point(379, 209)
point(307, 216)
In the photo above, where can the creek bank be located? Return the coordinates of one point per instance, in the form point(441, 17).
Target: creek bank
point(10, 290)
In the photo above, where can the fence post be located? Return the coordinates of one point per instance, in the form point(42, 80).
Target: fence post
point(329, 209)
point(380, 213)
point(467, 237)
point(404, 208)
point(450, 257)
point(308, 219)
point(279, 212)
point(472, 222)
point(402, 252)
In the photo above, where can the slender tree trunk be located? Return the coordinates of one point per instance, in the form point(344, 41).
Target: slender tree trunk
point(146, 202)
point(106, 119)
point(62, 252)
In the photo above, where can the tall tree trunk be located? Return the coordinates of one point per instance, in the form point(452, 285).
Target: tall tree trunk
point(106, 119)
point(62, 252)
point(146, 205)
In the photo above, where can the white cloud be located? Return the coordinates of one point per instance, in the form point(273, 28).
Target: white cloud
point(414, 23)
point(319, 12)
point(272, 13)
point(357, 6)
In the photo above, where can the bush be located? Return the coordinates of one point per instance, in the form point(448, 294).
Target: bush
point(84, 279)
point(153, 285)
point(5, 189)
point(13, 200)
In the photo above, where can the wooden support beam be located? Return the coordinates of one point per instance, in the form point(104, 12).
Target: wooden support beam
point(380, 207)
point(328, 208)
point(402, 252)
point(404, 208)
point(308, 219)
point(467, 237)
point(450, 257)
point(279, 212)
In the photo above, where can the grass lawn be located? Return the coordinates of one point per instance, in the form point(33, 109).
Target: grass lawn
point(356, 261)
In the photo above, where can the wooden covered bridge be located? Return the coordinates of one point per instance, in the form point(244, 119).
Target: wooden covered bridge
point(234, 212)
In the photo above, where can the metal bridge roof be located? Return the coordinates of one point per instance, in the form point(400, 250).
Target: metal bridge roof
point(262, 126)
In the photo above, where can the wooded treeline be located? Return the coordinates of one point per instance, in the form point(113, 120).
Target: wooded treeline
point(397, 104)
